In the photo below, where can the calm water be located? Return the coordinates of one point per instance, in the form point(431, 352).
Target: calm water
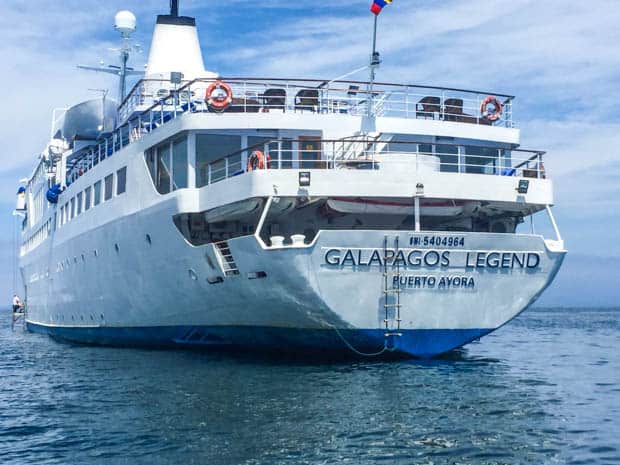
point(543, 390)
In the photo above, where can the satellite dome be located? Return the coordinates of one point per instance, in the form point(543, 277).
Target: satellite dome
point(125, 22)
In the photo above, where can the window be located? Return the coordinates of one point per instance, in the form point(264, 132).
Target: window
point(66, 212)
point(121, 180)
point(87, 198)
point(179, 163)
point(212, 147)
point(449, 157)
point(309, 152)
point(108, 184)
point(73, 208)
point(281, 153)
point(163, 168)
point(97, 193)
point(481, 160)
point(79, 203)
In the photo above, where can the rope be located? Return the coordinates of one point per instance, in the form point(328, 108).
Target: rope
point(385, 349)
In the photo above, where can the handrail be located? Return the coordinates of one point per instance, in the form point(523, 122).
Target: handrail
point(298, 83)
point(323, 81)
point(398, 142)
point(502, 163)
point(180, 100)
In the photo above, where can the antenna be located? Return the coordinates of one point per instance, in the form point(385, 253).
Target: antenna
point(125, 23)
point(174, 8)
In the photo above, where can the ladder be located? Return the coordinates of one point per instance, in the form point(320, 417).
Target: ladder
point(17, 316)
point(391, 294)
point(226, 259)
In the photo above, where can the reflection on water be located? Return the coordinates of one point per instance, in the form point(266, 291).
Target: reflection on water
point(544, 389)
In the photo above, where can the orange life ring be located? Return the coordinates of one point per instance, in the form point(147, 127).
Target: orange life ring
point(219, 95)
point(257, 161)
point(496, 113)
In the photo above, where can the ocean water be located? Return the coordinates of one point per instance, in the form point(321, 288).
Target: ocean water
point(545, 389)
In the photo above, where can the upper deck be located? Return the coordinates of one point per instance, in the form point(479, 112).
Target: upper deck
point(355, 98)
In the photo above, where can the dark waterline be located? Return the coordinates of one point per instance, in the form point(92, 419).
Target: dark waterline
point(543, 390)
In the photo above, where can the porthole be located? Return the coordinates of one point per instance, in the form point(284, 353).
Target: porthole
point(192, 274)
point(117, 248)
point(148, 239)
point(95, 253)
point(74, 259)
point(83, 258)
point(257, 275)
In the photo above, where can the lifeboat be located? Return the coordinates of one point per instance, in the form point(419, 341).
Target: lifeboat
point(428, 207)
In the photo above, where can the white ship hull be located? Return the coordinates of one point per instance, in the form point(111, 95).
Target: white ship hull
point(323, 297)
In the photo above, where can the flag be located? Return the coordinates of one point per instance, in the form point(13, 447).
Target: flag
point(378, 5)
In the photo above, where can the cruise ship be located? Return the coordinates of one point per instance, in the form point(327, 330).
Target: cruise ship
point(293, 215)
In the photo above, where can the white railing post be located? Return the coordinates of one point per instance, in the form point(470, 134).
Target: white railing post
point(417, 213)
point(554, 224)
point(261, 222)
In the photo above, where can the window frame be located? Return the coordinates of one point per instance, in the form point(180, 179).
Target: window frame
point(88, 198)
point(121, 185)
point(97, 198)
point(108, 194)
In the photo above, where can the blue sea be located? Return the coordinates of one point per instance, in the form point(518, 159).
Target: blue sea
point(544, 389)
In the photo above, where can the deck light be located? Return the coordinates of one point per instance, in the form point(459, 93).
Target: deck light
point(176, 77)
point(524, 186)
point(304, 179)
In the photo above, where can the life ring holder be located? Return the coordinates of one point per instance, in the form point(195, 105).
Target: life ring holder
point(257, 161)
point(493, 115)
point(219, 96)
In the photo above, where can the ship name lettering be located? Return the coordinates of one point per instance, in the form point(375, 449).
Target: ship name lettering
point(377, 257)
point(503, 260)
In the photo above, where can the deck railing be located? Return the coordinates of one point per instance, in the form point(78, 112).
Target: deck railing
point(386, 156)
point(320, 96)
point(153, 103)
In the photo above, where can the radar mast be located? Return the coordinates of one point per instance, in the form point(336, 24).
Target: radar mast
point(125, 24)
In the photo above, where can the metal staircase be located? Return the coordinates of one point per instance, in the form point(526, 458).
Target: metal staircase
point(226, 259)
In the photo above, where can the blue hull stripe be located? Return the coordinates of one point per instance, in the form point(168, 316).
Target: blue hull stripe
point(422, 343)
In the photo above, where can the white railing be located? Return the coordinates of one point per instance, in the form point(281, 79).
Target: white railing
point(153, 103)
point(386, 156)
point(324, 97)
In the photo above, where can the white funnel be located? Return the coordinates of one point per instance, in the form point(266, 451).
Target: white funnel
point(175, 48)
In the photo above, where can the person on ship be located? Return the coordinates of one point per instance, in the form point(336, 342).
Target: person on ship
point(17, 304)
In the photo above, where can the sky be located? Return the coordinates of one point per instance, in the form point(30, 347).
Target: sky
point(559, 57)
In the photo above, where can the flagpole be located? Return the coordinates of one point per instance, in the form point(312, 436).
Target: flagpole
point(374, 63)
